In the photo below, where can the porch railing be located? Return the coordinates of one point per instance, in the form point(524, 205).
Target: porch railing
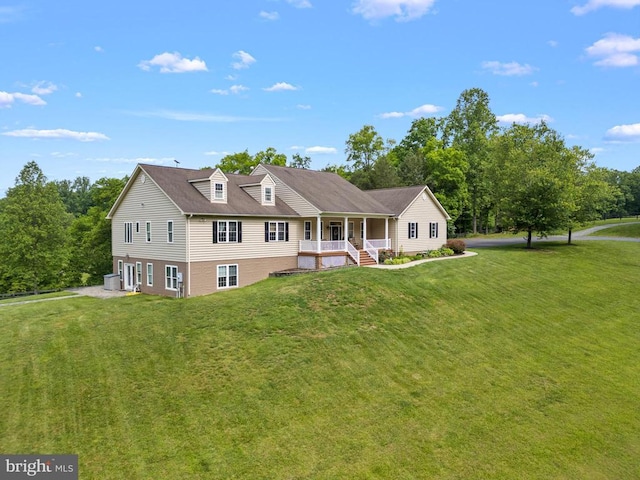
point(371, 250)
point(381, 243)
point(341, 245)
point(355, 254)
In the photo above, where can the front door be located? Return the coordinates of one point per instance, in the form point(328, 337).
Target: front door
point(129, 276)
point(336, 231)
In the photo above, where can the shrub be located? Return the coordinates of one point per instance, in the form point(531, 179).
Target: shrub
point(385, 255)
point(458, 246)
point(446, 252)
point(435, 254)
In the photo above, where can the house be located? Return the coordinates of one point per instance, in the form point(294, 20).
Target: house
point(186, 232)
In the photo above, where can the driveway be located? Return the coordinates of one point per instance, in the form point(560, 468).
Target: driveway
point(480, 242)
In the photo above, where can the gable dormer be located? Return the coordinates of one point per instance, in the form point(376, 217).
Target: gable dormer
point(218, 184)
point(268, 191)
point(262, 190)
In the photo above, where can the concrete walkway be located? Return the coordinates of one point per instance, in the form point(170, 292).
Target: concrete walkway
point(94, 291)
point(418, 262)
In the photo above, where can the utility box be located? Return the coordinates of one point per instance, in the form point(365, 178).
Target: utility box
point(112, 281)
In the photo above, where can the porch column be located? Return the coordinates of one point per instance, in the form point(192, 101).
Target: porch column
point(364, 232)
point(318, 235)
point(386, 232)
point(345, 232)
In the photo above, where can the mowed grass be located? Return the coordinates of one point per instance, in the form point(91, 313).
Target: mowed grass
point(629, 231)
point(511, 364)
point(41, 296)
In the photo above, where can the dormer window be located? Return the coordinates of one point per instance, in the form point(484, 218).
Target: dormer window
point(218, 192)
point(268, 194)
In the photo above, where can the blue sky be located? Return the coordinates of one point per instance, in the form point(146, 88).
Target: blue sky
point(92, 88)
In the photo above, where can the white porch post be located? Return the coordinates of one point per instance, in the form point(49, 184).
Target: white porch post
point(386, 232)
point(318, 235)
point(364, 232)
point(345, 232)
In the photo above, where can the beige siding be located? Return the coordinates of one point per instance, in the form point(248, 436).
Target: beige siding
point(204, 276)
point(291, 198)
point(252, 246)
point(255, 191)
point(423, 211)
point(146, 202)
point(204, 187)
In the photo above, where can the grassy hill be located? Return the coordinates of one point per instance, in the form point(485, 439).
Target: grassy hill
point(511, 364)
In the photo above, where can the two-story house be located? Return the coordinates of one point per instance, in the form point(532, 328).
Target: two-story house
point(185, 232)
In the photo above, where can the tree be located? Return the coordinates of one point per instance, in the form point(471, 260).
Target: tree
point(363, 150)
point(33, 222)
point(242, 163)
point(384, 174)
point(468, 128)
point(75, 195)
point(270, 157)
point(297, 161)
point(446, 170)
point(534, 179)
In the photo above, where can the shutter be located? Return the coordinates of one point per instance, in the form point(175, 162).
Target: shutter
point(437, 230)
point(266, 231)
point(416, 229)
point(239, 232)
point(215, 232)
point(409, 230)
point(286, 231)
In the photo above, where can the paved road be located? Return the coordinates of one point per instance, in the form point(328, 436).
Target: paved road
point(576, 236)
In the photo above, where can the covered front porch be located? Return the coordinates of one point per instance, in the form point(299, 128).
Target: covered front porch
point(331, 241)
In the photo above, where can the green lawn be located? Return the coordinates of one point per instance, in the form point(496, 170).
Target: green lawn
point(631, 231)
point(513, 364)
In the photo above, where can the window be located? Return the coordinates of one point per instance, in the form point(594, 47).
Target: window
point(227, 231)
point(268, 195)
point(138, 273)
point(361, 230)
point(276, 231)
point(413, 229)
point(149, 274)
point(227, 276)
point(433, 230)
point(171, 277)
point(307, 230)
point(128, 232)
point(148, 232)
point(120, 268)
point(350, 234)
point(218, 191)
point(169, 231)
point(321, 230)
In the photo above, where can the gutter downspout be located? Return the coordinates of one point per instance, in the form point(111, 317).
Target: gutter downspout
point(188, 293)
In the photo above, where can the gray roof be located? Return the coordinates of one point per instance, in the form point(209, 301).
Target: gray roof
point(397, 199)
point(174, 182)
point(328, 192)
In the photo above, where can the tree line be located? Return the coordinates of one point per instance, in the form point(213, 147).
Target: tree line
point(520, 178)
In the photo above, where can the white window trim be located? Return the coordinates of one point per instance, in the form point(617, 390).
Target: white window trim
point(270, 200)
point(351, 233)
point(167, 278)
point(413, 230)
point(278, 231)
point(138, 273)
point(216, 191)
point(149, 275)
point(307, 231)
point(128, 232)
point(170, 231)
point(433, 230)
point(227, 231)
point(120, 268)
point(227, 276)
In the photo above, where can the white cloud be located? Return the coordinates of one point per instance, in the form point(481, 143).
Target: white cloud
point(78, 95)
point(173, 63)
point(7, 99)
point(303, 107)
point(44, 88)
point(596, 150)
point(281, 87)
point(244, 60)
point(320, 150)
point(235, 89)
point(269, 15)
point(521, 118)
point(421, 111)
point(403, 10)
point(57, 133)
point(63, 155)
point(10, 14)
point(213, 153)
point(157, 161)
point(198, 117)
point(296, 147)
point(300, 3)
point(624, 133)
point(552, 43)
point(98, 49)
point(592, 5)
point(508, 69)
point(615, 50)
